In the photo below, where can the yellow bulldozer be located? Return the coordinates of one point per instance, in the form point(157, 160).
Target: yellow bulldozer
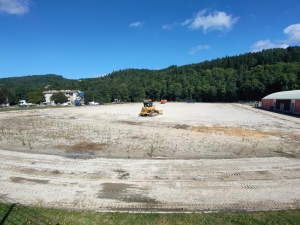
point(149, 109)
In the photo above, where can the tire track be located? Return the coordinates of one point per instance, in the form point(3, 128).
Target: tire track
point(152, 185)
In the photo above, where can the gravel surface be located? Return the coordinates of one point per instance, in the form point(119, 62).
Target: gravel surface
point(194, 157)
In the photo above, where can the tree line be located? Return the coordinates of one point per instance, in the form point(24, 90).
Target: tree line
point(249, 76)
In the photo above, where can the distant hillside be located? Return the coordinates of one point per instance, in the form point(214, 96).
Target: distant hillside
point(33, 81)
point(20, 87)
point(249, 76)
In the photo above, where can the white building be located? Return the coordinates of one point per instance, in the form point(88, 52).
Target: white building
point(74, 96)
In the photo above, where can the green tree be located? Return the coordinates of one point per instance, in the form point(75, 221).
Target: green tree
point(59, 98)
point(231, 89)
point(124, 92)
point(154, 90)
point(7, 96)
point(21, 92)
point(137, 93)
point(36, 96)
point(4, 93)
point(209, 93)
point(177, 91)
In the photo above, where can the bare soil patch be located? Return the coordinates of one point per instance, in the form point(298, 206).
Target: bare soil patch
point(240, 132)
point(86, 145)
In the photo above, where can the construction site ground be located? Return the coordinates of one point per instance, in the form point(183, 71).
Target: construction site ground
point(194, 157)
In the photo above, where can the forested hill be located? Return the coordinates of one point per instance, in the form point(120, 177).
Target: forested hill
point(18, 88)
point(250, 76)
point(34, 81)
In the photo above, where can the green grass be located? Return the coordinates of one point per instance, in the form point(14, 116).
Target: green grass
point(16, 108)
point(32, 215)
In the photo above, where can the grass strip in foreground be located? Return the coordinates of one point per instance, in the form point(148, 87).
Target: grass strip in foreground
point(36, 215)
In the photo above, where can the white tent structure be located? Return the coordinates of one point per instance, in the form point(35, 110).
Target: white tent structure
point(288, 101)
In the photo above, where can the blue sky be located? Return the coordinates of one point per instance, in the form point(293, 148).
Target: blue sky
point(90, 38)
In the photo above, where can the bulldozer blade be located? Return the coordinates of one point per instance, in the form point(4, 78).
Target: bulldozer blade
point(153, 114)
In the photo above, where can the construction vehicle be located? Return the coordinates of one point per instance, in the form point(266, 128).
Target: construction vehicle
point(149, 109)
point(117, 101)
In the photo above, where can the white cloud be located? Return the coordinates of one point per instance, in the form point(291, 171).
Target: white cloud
point(266, 44)
point(198, 48)
point(136, 24)
point(169, 26)
point(293, 31)
point(186, 22)
point(17, 7)
point(216, 21)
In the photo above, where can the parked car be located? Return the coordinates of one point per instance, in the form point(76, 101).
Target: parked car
point(93, 103)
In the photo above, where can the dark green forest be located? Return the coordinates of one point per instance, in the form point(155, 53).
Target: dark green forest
point(245, 77)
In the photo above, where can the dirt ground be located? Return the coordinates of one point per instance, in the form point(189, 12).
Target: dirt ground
point(194, 157)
